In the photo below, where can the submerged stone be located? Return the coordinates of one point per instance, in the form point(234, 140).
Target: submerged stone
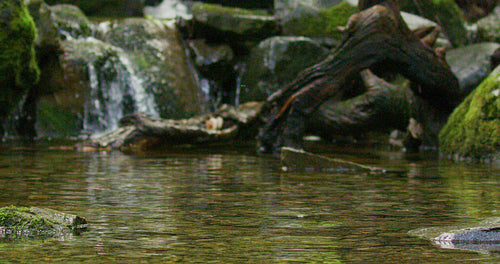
point(483, 236)
point(34, 222)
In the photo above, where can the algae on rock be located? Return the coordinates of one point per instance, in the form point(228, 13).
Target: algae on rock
point(36, 222)
point(18, 67)
point(473, 129)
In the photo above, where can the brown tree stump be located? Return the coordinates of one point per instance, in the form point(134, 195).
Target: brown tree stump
point(377, 38)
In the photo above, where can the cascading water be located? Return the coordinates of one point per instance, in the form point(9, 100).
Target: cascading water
point(115, 90)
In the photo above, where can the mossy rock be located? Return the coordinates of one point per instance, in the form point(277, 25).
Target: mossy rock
point(108, 8)
point(18, 66)
point(238, 21)
point(322, 24)
point(473, 129)
point(275, 62)
point(158, 56)
point(71, 21)
point(444, 12)
point(33, 222)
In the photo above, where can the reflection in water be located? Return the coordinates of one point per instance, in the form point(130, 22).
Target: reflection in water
point(234, 208)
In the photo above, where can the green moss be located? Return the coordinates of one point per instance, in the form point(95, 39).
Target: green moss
point(235, 20)
point(214, 9)
point(18, 67)
point(473, 129)
point(323, 24)
point(18, 219)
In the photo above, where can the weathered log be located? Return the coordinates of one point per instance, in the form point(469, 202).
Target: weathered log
point(142, 132)
point(375, 38)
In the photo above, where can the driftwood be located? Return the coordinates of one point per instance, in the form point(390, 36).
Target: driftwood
point(376, 38)
point(298, 160)
point(142, 132)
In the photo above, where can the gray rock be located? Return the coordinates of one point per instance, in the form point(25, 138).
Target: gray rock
point(471, 64)
point(275, 62)
point(483, 236)
point(489, 27)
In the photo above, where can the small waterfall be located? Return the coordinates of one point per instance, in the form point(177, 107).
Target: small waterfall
point(115, 91)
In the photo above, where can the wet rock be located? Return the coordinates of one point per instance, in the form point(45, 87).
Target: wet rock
point(489, 27)
point(34, 222)
point(471, 64)
point(275, 62)
point(109, 8)
point(446, 13)
point(215, 62)
point(87, 67)
point(155, 49)
point(19, 71)
point(472, 130)
point(483, 236)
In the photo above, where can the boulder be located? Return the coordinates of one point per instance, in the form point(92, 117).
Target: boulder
point(298, 18)
point(471, 64)
point(215, 62)
point(109, 8)
point(473, 129)
point(275, 62)
point(489, 26)
point(71, 21)
point(159, 59)
point(34, 222)
point(19, 70)
point(234, 23)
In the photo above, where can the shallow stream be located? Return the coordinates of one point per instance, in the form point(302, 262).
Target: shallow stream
point(215, 205)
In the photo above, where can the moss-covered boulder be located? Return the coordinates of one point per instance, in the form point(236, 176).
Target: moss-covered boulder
point(108, 8)
point(319, 23)
point(275, 62)
point(444, 12)
point(34, 222)
point(489, 27)
point(18, 66)
point(235, 22)
point(473, 129)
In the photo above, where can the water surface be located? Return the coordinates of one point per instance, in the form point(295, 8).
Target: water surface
point(232, 206)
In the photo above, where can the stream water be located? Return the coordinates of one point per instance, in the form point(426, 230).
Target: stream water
point(215, 205)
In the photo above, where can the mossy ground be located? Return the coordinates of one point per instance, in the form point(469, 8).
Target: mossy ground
point(473, 129)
